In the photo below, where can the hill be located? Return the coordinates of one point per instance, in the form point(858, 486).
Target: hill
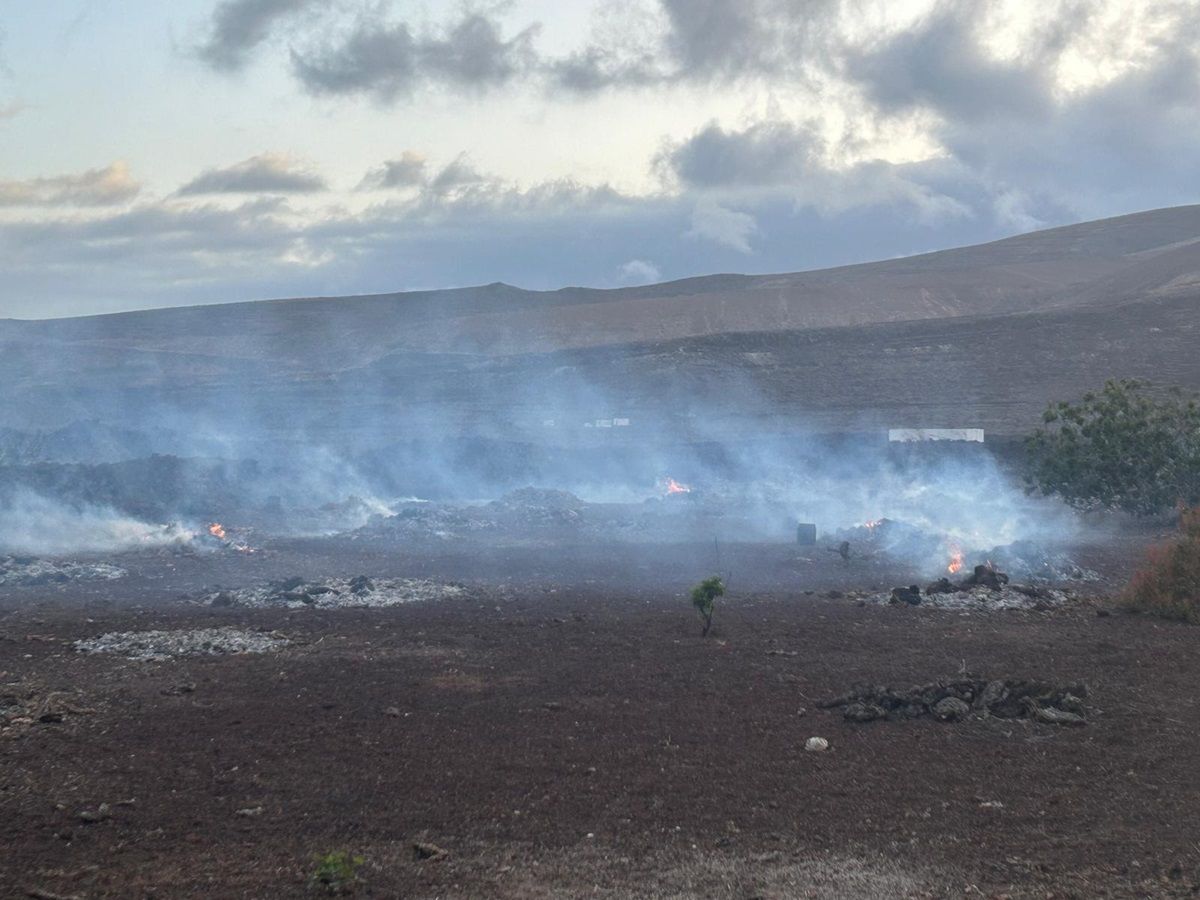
point(977, 335)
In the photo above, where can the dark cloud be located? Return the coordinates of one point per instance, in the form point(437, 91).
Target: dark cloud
point(710, 41)
point(388, 60)
point(407, 171)
point(240, 26)
point(269, 173)
point(767, 153)
point(110, 186)
point(942, 65)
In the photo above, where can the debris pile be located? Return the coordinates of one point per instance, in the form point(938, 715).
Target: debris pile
point(1033, 562)
point(985, 588)
point(156, 645)
point(29, 571)
point(29, 704)
point(334, 593)
point(964, 698)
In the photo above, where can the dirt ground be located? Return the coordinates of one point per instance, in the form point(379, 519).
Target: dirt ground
point(562, 730)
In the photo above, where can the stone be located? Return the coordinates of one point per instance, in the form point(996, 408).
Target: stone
point(816, 745)
point(423, 850)
point(862, 712)
point(951, 709)
point(1053, 716)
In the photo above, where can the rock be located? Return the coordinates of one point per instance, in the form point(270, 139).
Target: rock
point(249, 812)
point(222, 598)
point(910, 595)
point(1072, 704)
point(94, 816)
point(361, 584)
point(423, 850)
point(986, 576)
point(951, 709)
point(862, 712)
point(1053, 716)
point(941, 586)
point(993, 694)
point(816, 745)
point(393, 711)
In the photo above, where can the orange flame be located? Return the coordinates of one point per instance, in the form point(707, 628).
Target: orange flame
point(217, 530)
point(671, 486)
point(956, 562)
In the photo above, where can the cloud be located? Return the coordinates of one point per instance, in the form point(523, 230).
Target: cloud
point(240, 26)
point(407, 171)
point(110, 186)
point(458, 174)
point(723, 226)
point(269, 173)
point(389, 60)
point(765, 153)
point(639, 271)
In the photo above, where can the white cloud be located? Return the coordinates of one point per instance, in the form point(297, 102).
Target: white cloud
point(639, 271)
point(723, 226)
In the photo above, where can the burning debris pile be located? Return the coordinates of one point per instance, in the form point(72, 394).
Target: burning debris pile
point(336, 593)
point(964, 698)
point(985, 588)
point(1026, 560)
point(29, 571)
point(157, 645)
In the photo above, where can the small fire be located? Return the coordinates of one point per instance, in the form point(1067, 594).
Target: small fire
point(872, 525)
point(217, 531)
point(671, 486)
point(956, 562)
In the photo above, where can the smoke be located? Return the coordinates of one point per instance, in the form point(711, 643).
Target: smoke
point(45, 527)
point(310, 428)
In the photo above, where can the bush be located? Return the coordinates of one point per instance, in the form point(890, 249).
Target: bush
point(337, 871)
point(1121, 448)
point(704, 597)
point(1168, 584)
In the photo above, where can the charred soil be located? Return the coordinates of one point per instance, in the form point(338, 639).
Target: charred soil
point(561, 729)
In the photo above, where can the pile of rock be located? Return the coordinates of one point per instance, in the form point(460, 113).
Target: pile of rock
point(985, 588)
point(29, 571)
point(334, 593)
point(154, 645)
point(963, 698)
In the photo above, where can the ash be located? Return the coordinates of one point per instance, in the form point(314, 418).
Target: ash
point(1010, 596)
point(28, 571)
point(335, 593)
point(157, 645)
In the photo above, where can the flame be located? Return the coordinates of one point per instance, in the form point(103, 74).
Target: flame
point(872, 525)
point(217, 530)
point(956, 562)
point(671, 486)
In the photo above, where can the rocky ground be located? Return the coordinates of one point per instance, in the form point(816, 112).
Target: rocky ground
point(557, 727)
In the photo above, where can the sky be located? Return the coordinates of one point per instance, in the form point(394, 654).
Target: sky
point(199, 151)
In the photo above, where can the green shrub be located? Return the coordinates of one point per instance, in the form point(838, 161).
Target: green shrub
point(337, 871)
point(1168, 584)
point(704, 597)
point(1120, 448)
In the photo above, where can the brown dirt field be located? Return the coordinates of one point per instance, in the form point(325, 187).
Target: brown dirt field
point(564, 731)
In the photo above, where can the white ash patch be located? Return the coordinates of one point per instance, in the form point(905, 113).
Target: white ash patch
point(337, 593)
point(156, 645)
point(979, 598)
point(29, 571)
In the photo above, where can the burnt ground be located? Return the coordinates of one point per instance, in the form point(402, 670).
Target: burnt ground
point(562, 730)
